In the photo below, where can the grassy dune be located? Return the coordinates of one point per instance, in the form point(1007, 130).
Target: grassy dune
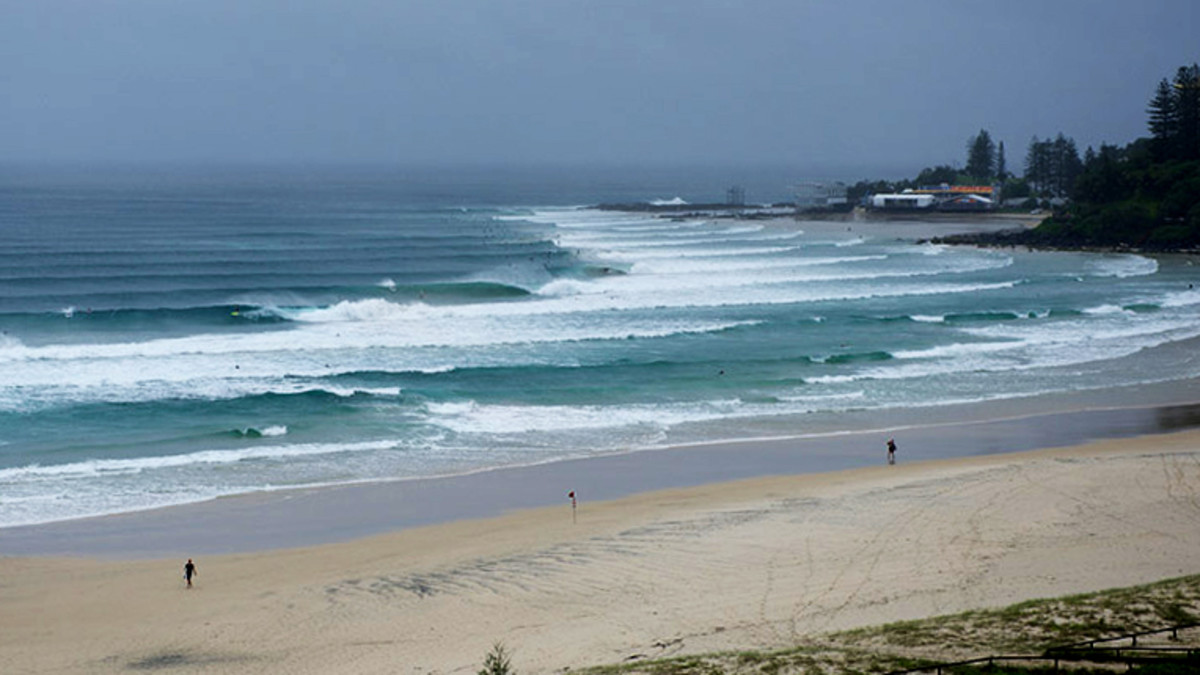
point(1026, 628)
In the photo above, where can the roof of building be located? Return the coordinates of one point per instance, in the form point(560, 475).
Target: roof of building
point(955, 189)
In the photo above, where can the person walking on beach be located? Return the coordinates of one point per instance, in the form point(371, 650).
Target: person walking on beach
point(189, 571)
point(891, 446)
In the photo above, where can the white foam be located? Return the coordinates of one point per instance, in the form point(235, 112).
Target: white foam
point(1016, 347)
point(653, 240)
point(9, 342)
point(97, 467)
point(281, 362)
point(478, 418)
point(566, 287)
point(375, 309)
point(1121, 266)
point(1107, 309)
point(378, 323)
point(665, 252)
point(266, 432)
point(957, 350)
point(1181, 298)
point(686, 265)
point(348, 392)
point(835, 379)
point(32, 396)
point(643, 232)
point(676, 279)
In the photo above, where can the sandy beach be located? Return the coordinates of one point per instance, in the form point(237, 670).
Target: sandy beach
point(754, 563)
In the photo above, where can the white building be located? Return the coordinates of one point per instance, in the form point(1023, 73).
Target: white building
point(903, 201)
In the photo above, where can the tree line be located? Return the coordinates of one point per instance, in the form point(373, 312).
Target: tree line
point(1145, 194)
point(1175, 116)
point(1051, 168)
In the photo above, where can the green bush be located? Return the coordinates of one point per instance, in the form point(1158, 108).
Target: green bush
point(497, 662)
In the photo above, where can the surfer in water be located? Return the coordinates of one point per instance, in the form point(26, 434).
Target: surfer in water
point(189, 571)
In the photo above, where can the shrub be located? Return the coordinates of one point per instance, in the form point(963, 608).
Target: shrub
point(497, 662)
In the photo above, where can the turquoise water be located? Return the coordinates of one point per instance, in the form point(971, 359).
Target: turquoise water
point(172, 337)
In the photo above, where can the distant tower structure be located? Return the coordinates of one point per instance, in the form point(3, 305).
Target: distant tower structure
point(735, 196)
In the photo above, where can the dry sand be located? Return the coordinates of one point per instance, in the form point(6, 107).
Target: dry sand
point(749, 564)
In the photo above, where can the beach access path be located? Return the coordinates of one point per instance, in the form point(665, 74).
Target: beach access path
point(755, 563)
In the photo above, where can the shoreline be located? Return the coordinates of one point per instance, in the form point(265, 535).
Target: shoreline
point(761, 563)
point(311, 516)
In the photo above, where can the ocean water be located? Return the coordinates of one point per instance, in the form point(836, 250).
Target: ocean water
point(177, 335)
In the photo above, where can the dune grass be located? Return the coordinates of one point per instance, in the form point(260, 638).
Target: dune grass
point(1026, 628)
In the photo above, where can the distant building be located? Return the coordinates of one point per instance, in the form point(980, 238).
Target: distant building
point(903, 201)
point(940, 198)
point(820, 196)
point(966, 203)
point(946, 191)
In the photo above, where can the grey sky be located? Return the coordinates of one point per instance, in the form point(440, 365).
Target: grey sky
point(810, 84)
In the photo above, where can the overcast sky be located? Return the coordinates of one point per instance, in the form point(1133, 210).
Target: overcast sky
point(797, 82)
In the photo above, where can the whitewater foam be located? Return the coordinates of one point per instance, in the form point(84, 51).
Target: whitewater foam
point(1121, 266)
point(546, 333)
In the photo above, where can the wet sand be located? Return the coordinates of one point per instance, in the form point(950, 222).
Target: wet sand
point(748, 564)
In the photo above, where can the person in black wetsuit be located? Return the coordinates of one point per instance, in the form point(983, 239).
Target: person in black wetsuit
point(189, 571)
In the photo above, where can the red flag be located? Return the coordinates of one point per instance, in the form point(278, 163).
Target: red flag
point(571, 494)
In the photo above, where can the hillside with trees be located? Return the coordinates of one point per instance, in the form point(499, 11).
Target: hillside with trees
point(1145, 195)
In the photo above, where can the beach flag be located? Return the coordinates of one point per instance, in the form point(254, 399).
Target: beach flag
point(571, 494)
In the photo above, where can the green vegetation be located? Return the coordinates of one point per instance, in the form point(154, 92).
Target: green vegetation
point(1053, 166)
point(1145, 195)
point(1028, 628)
point(981, 157)
point(1146, 669)
point(497, 662)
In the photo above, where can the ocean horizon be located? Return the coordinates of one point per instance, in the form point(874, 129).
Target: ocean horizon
point(173, 336)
